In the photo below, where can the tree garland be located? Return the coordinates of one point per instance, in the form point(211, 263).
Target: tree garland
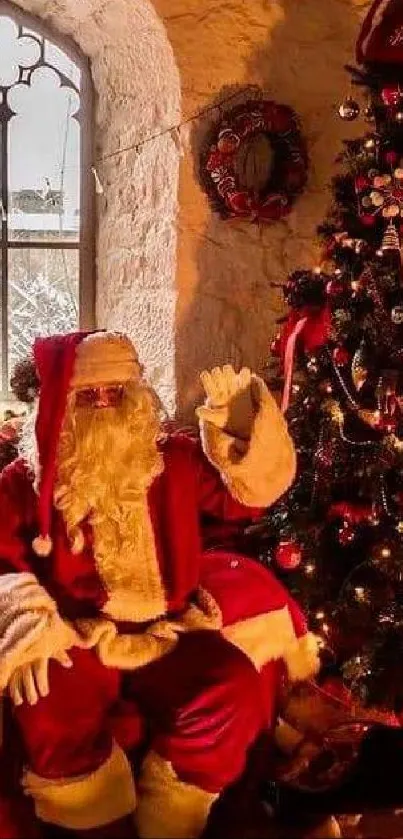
point(288, 179)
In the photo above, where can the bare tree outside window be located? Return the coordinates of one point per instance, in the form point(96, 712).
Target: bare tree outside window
point(46, 189)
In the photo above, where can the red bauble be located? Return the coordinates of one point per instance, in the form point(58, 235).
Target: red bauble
point(361, 182)
point(391, 157)
point(288, 555)
point(391, 94)
point(278, 118)
point(367, 220)
point(340, 356)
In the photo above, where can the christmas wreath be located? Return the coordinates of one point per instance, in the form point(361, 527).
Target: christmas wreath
point(290, 162)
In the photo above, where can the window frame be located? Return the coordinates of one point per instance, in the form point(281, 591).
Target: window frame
point(86, 240)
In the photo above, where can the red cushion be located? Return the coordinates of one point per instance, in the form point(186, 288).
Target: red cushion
point(241, 586)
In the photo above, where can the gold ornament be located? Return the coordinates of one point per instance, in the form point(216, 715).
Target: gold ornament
point(390, 241)
point(349, 109)
point(377, 199)
point(393, 443)
point(391, 211)
point(382, 180)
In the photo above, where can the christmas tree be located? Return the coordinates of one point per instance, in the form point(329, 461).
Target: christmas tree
point(337, 537)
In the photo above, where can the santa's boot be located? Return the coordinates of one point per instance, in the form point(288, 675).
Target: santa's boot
point(167, 807)
point(95, 806)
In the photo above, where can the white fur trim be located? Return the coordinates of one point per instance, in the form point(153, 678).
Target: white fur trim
point(257, 472)
point(302, 658)
point(269, 637)
point(85, 802)
point(263, 638)
point(128, 652)
point(134, 584)
point(169, 808)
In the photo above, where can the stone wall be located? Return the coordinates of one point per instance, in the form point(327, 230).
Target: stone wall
point(295, 50)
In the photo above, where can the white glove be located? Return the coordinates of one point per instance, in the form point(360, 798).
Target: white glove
point(245, 437)
point(31, 628)
point(232, 400)
point(31, 681)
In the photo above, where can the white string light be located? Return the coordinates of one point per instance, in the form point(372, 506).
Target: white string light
point(176, 137)
point(98, 185)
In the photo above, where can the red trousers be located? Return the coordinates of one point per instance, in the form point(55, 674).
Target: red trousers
point(200, 707)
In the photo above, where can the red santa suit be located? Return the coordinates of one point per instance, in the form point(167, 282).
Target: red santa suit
point(192, 643)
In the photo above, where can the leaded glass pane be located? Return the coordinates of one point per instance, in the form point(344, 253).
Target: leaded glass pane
point(43, 296)
point(41, 171)
point(42, 102)
point(44, 159)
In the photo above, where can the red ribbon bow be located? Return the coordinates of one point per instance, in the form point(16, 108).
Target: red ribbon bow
point(311, 327)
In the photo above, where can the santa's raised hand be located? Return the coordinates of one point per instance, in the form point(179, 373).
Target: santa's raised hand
point(232, 400)
point(244, 434)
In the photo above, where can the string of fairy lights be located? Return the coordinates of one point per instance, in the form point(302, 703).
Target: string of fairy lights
point(174, 131)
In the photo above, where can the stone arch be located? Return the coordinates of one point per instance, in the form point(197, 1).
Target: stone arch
point(138, 95)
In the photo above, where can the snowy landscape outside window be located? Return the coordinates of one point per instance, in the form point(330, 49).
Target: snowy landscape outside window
point(46, 188)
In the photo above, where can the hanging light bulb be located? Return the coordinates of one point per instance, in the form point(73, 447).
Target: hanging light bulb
point(349, 109)
point(98, 185)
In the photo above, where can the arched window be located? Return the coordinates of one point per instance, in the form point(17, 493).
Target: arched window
point(46, 187)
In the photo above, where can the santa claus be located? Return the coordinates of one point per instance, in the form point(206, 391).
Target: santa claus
point(106, 597)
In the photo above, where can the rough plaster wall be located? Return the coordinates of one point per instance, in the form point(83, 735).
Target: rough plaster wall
point(138, 95)
point(295, 50)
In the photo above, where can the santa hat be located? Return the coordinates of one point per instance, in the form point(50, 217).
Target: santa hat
point(381, 37)
point(84, 361)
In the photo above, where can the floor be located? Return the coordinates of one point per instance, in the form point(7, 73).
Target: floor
point(242, 815)
point(253, 823)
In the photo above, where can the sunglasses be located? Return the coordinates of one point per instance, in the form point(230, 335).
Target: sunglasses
point(107, 396)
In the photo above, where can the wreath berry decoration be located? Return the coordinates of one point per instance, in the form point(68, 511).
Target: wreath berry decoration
point(290, 162)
